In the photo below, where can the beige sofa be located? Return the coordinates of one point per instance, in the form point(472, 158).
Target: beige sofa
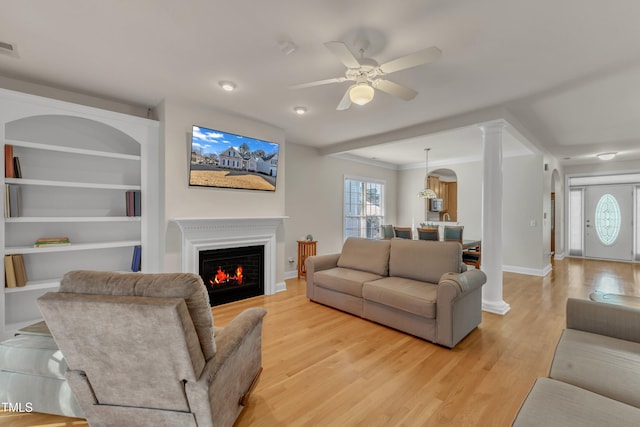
point(594, 378)
point(418, 287)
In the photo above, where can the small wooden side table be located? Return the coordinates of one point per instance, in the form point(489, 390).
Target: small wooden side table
point(306, 249)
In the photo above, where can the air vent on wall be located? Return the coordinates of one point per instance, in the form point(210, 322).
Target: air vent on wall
point(8, 49)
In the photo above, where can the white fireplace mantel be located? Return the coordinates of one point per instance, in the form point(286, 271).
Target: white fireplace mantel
point(201, 234)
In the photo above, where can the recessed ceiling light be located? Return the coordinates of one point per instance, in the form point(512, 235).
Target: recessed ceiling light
point(300, 110)
point(228, 86)
point(606, 156)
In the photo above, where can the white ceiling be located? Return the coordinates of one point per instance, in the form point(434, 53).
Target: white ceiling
point(566, 73)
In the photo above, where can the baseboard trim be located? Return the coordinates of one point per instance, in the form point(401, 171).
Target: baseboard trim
point(282, 286)
point(293, 274)
point(528, 271)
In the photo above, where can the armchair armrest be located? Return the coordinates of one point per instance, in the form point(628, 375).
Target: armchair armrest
point(229, 374)
point(459, 305)
point(601, 318)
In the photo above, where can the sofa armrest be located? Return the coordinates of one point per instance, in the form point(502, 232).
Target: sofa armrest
point(459, 305)
point(321, 262)
point(318, 263)
point(453, 285)
point(233, 368)
point(601, 318)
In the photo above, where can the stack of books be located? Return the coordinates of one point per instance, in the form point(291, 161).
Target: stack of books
point(44, 242)
point(15, 273)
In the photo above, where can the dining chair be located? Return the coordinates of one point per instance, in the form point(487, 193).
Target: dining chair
point(428, 234)
point(453, 232)
point(386, 232)
point(403, 232)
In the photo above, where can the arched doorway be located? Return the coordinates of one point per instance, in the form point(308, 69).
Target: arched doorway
point(445, 184)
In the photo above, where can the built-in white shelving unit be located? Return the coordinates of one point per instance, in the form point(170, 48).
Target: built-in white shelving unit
point(77, 164)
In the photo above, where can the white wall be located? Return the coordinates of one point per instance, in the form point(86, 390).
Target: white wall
point(181, 201)
point(314, 197)
point(524, 203)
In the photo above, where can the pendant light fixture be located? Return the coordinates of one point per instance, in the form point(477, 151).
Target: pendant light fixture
point(427, 193)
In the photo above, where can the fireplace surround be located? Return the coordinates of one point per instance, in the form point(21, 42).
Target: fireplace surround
point(206, 234)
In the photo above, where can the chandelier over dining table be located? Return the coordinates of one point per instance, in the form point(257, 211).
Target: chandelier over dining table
point(427, 193)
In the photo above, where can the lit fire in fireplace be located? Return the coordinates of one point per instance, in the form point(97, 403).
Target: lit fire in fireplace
point(222, 277)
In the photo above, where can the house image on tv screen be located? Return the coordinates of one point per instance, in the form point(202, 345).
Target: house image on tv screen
point(220, 159)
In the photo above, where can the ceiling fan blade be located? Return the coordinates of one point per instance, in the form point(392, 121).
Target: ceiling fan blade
point(318, 83)
point(345, 102)
point(419, 58)
point(343, 53)
point(395, 89)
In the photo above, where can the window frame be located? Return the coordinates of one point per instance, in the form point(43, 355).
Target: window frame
point(364, 181)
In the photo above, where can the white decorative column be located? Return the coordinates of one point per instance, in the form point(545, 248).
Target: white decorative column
point(492, 217)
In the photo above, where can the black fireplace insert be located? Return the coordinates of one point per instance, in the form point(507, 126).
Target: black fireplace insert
point(232, 274)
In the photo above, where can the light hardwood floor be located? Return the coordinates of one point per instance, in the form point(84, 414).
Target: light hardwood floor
point(323, 367)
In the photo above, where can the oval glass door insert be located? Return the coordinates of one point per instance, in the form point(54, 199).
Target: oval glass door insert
point(607, 221)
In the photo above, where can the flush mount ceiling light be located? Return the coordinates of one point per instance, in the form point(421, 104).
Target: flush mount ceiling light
point(300, 110)
point(361, 93)
point(606, 156)
point(228, 86)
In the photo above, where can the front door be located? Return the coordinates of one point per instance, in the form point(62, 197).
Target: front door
point(608, 222)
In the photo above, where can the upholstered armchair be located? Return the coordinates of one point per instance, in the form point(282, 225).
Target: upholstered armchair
point(141, 350)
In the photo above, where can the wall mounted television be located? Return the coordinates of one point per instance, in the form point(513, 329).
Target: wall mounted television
point(226, 160)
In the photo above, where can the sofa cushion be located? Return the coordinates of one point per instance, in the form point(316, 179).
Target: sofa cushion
point(423, 260)
point(32, 355)
point(408, 295)
point(365, 255)
point(601, 364)
point(553, 403)
point(343, 280)
point(168, 285)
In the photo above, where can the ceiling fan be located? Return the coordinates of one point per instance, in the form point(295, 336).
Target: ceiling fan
point(369, 75)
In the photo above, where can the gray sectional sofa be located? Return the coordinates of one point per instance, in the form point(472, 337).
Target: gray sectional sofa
point(594, 378)
point(418, 287)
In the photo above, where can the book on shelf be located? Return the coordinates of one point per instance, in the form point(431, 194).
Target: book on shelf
point(12, 201)
point(17, 169)
point(15, 273)
point(19, 269)
point(9, 272)
point(8, 161)
point(136, 260)
point(133, 201)
point(51, 241)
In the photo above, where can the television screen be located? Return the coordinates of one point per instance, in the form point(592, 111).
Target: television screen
point(225, 160)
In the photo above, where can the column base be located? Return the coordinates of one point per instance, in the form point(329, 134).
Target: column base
point(497, 307)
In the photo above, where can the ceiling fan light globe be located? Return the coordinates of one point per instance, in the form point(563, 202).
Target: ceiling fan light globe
point(361, 94)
